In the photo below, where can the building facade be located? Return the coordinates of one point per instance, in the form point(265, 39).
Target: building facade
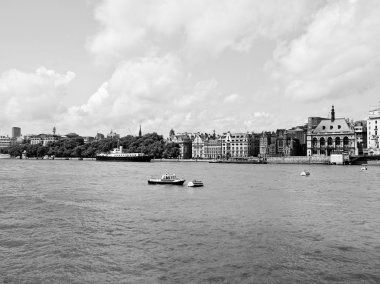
point(16, 132)
point(360, 129)
point(197, 146)
point(373, 125)
point(5, 141)
point(213, 148)
point(185, 145)
point(43, 139)
point(237, 145)
point(331, 135)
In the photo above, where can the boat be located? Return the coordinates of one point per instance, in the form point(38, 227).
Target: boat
point(117, 154)
point(363, 168)
point(195, 183)
point(167, 179)
point(305, 173)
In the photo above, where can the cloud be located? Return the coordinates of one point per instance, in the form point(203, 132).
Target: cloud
point(336, 57)
point(32, 97)
point(144, 90)
point(158, 93)
point(194, 27)
point(231, 98)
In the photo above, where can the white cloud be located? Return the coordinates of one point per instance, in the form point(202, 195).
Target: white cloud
point(231, 98)
point(199, 26)
point(157, 93)
point(336, 57)
point(32, 98)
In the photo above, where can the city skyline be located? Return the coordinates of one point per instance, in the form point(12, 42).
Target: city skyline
point(92, 66)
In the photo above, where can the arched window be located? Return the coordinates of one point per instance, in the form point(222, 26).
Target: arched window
point(322, 141)
point(315, 142)
point(337, 141)
point(345, 141)
point(329, 141)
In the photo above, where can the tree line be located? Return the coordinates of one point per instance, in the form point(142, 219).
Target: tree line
point(74, 147)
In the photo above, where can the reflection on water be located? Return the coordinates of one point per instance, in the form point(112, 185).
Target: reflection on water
point(95, 222)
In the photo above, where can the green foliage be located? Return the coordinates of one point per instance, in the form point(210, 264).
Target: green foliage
point(150, 144)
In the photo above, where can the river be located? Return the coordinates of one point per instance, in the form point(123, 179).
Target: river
point(100, 222)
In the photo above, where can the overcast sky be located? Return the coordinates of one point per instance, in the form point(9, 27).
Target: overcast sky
point(196, 65)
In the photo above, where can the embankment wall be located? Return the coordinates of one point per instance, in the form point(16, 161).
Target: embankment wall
point(299, 160)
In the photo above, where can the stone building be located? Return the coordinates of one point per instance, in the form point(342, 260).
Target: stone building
point(330, 135)
point(184, 142)
point(265, 141)
point(197, 146)
point(360, 129)
point(113, 135)
point(213, 147)
point(237, 145)
point(43, 139)
point(5, 141)
point(373, 125)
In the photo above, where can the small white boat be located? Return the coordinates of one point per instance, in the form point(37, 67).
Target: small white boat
point(363, 168)
point(195, 183)
point(167, 179)
point(305, 173)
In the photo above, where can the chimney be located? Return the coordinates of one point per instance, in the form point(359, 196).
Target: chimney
point(332, 114)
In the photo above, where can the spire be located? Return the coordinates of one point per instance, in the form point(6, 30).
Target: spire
point(140, 131)
point(54, 129)
point(332, 114)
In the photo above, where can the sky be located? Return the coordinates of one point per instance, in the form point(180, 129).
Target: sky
point(193, 66)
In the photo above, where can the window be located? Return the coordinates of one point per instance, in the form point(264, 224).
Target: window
point(331, 127)
point(339, 126)
point(323, 127)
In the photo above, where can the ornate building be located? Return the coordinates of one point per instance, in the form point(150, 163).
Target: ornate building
point(237, 145)
point(213, 148)
point(184, 142)
point(360, 137)
point(373, 124)
point(197, 145)
point(327, 135)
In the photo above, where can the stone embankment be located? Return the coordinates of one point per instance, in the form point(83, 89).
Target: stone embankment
point(299, 160)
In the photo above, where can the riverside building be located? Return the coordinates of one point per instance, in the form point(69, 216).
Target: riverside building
point(213, 148)
point(237, 145)
point(197, 146)
point(330, 135)
point(5, 141)
point(184, 142)
point(373, 124)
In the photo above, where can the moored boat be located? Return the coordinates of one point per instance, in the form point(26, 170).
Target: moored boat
point(118, 155)
point(195, 183)
point(167, 179)
point(305, 173)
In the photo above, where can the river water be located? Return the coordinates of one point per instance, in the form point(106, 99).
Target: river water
point(100, 222)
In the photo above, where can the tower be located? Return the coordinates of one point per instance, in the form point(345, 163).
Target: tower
point(140, 131)
point(54, 130)
point(16, 132)
point(332, 114)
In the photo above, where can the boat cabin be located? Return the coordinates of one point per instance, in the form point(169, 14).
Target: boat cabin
point(168, 176)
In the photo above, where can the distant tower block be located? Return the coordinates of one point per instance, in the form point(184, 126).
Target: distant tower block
point(16, 132)
point(140, 131)
point(54, 130)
